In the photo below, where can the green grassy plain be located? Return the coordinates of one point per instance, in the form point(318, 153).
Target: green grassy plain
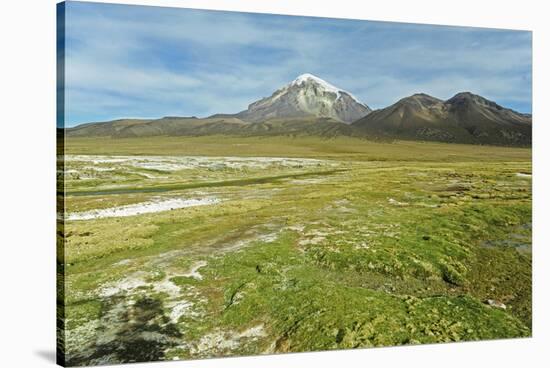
point(377, 244)
point(311, 147)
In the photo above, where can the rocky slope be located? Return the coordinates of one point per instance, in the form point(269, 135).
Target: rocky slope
point(306, 96)
point(464, 118)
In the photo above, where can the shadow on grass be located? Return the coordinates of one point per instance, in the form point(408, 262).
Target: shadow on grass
point(130, 332)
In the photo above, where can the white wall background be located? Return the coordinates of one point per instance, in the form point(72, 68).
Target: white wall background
point(27, 178)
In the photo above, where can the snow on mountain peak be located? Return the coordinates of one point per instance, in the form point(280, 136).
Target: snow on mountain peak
point(324, 84)
point(307, 95)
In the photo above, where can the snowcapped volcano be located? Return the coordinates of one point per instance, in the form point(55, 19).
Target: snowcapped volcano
point(307, 95)
point(310, 79)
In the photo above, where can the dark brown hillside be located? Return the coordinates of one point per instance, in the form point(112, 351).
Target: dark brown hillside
point(464, 118)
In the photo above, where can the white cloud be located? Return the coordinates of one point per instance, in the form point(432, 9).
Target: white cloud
point(156, 61)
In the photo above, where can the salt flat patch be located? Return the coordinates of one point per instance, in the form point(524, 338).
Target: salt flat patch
point(194, 272)
point(176, 163)
point(314, 237)
point(268, 238)
point(220, 341)
point(265, 238)
point(124, 262)
point(298, 228)
point(157, 205)
point(123, 286)
point(168, 287)
point(523, 175)
point(307, 181)
point(177, 306)
point(98, 168)
point(181, 308)
point(130, 284)
point(146, 175)
point(255, 331)
point(396, 203)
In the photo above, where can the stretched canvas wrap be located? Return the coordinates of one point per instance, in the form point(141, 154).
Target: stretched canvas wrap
point(240, 184)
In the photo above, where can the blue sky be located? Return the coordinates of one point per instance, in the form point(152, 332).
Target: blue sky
point(139, 61)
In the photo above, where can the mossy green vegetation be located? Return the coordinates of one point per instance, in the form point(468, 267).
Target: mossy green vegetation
point(366, 244)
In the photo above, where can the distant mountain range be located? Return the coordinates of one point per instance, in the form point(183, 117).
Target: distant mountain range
point(311, 106)
point(465, 118)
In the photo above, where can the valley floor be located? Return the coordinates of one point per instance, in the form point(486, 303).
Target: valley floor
point(183, 248)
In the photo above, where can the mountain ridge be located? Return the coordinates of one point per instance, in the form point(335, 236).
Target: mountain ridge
point(307, 95)
point(464, 118)
point(309, 105)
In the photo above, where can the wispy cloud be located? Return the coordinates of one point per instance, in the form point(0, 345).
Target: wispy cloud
point(135, 61)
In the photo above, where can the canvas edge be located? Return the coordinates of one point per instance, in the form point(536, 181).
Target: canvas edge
point(60, 184)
